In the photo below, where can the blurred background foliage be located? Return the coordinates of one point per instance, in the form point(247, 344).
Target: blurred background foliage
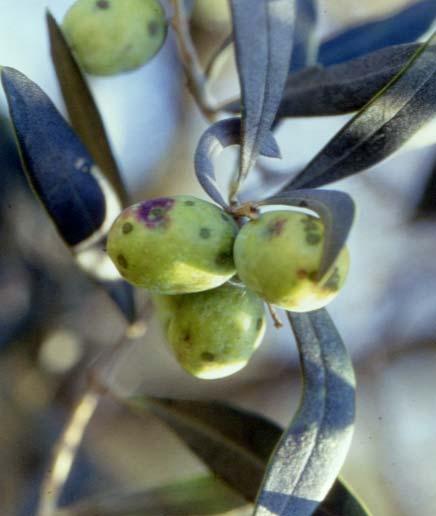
point(54, 321)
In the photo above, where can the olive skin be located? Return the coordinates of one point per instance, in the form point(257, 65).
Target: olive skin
point(213, 334)
point(279, 255)
point(108, 37)
point(173, 245)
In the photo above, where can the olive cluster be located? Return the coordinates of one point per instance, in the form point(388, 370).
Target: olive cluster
point(185, 250)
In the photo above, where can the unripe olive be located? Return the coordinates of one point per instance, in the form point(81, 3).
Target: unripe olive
point(214, 333)
point(173, 245)
point(279, 255)
point(113, 36)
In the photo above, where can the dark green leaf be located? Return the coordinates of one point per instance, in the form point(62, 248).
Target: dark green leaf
point(234, 443)
point(58, 166)
point(392, 117)
point(341, 501)
point(336, 210)
point(341, 88)
point(263, 33)
point(310, 453)
point(204, 495)
point(84, 115)
point(214, 140)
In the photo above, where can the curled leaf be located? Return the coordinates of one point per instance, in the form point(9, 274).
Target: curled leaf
point(214, 140)
point(82, 110)
point(57, 164)
point(393, 116)
point(336, 210)
point(263, 34)
point(310, 453)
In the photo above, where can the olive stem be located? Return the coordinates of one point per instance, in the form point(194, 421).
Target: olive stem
point(274, 315)
point(196, 80)
point(67, 445)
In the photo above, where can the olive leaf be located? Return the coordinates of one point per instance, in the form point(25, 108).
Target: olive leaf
point(263, 33)
point(305, 45)
point(391, 117)
point(235, 444)
point(202, 495)
point(341, 88)
point(310, 453)
point(57, 164)
point(214, 140)
point(82, 110)
point(336, 210)
point(404, 26)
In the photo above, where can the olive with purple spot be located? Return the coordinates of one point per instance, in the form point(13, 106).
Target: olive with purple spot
point(213, 334)
point(173, 245)
point(278, 256)
point(113, 36)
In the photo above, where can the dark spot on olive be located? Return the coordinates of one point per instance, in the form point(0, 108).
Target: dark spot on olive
point(122, 261)
point(313, 275)
point(259, 323)
point(207, 356)
point(154, 212)
point(189, 203)
point(127, 228)
point(204, 232)
point(313, 238)
point(153, 28)
point(102, 4)
point(223, 258)
point(275, 227)
point(301, 274)
point(187, 337)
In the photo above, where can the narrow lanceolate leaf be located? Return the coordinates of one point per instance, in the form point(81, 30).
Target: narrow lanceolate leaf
point(305, 47)
point(82, 110)
point(310, 454)
point(58, 166)
point(402, 27)
point(214, 140)
point(393, 116)
point(263, 33)
point(203, 495)
point(234, 443)
point(341, 88)
point(336, 210)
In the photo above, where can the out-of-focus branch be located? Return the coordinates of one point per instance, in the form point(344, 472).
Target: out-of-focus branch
point(196, 79)
point(66, 447)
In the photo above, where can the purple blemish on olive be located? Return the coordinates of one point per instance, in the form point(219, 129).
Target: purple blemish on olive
point(275, 228)
point(154, 212)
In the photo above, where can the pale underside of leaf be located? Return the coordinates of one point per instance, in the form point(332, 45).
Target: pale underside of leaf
point(214, 140)
point(82, 110)
point(310, 454)
point(263, 34)
point(336, 210)
point(397, 112)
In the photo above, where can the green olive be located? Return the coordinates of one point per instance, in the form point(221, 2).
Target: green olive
point(213, 334)
point(113, 36)
point(279, 255)
point(173, 245)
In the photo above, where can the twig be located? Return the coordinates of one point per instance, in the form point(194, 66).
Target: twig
point(277, 322)
point(66, 447)
point(196, 80)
